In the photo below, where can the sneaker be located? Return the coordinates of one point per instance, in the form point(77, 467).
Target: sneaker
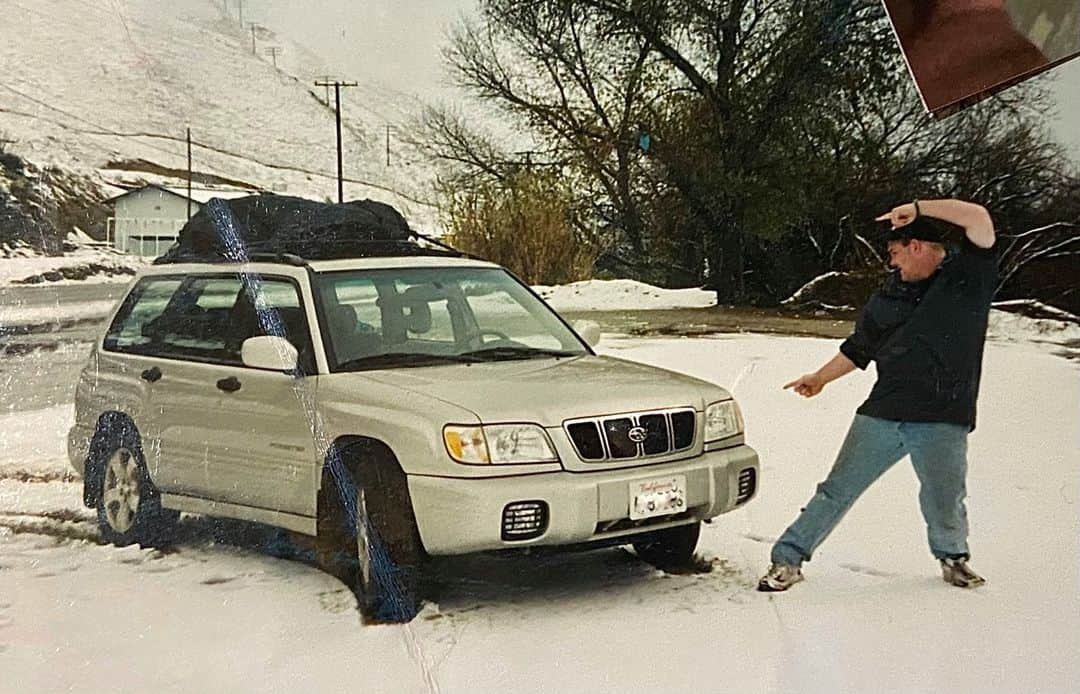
point(780, 577)
point(958, 573)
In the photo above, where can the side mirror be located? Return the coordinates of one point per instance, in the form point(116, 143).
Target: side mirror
point(589, 331)
point(269, 352)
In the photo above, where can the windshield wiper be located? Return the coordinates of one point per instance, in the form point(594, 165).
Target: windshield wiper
point(377, 361)
point(506, 353)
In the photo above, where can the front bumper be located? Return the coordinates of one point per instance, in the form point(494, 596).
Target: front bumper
point(456, 516)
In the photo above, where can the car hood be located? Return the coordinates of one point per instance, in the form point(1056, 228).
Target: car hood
point(549, 391)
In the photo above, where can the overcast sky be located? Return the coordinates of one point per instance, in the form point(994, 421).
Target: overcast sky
point(399, 41)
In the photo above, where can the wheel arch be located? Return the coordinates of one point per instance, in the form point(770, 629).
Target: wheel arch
point(107, 424)
point(349, 450)
point(344, 457)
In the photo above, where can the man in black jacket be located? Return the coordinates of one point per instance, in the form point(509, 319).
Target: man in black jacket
point(925, 329)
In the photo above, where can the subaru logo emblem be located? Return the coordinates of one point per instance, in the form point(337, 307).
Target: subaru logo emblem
point(637, 434)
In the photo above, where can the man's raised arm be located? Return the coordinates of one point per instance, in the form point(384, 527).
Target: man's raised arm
point(976, 221)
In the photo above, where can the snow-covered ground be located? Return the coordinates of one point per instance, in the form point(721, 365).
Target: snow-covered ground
point(224, 611)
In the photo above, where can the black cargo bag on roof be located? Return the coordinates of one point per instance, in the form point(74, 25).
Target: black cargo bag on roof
point(233, 230)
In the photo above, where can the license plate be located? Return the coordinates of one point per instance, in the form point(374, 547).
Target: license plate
point(657, 497)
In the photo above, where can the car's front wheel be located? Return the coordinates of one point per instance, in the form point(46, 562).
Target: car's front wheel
point(670, 547)
point(367, 537)
point(128, 506)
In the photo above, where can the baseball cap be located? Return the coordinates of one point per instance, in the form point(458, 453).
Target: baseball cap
point(922, 228)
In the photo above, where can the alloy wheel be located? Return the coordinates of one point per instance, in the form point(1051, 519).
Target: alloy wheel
point(121, 490)
point(363, 542)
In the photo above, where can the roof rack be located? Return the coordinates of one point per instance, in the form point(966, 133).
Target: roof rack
point(284, 258)
point(353, 248)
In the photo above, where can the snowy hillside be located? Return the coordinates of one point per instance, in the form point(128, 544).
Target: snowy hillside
point(107, 90)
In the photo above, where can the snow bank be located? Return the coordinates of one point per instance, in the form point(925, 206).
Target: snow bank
point(22, 263)
point(61, 313)
point(806, 291)
point(33, 444)
point(621, 295)
point(1012, 327)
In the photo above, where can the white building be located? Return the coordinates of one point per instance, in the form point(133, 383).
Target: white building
point(147, 220)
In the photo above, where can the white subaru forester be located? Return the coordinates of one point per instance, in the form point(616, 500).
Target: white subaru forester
point(393, 407)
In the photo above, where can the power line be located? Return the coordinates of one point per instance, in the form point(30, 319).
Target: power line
point(337, 110)
point(219, 150)
point(107, 130)
point(189, 173)
point(273, 52)
point(326, 83)
point(254, 26)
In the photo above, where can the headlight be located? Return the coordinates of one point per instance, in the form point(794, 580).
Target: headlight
point(499, 444)
point(722, 420)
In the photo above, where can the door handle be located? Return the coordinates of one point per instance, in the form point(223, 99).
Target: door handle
point(229, 385)
point(152, 374)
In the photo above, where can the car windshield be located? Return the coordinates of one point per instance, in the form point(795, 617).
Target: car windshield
point(408, 317)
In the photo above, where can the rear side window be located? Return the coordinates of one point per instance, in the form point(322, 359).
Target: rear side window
point(208, 318)
point(195, 325)
point(145, 303)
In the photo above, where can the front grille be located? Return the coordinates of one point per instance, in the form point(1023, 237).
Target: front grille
point(524, 520)
point(629, 436)
point(747, 485)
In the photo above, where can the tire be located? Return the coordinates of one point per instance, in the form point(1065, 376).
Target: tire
point(671, 547)
point(128, 505)
point(367, 537)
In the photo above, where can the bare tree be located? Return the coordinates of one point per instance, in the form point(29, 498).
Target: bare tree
point(557, 69)
point(743, 142)
point(462, 153)
point(1057, 241)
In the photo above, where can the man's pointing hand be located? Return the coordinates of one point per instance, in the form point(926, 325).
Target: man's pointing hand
point(807, 385)
point(899, 216)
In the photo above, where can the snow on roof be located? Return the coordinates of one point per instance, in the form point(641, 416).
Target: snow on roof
point(204, 195)
point(81, 238)
point(199, 195)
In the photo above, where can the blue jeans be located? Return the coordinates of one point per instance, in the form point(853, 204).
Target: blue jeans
point(939, 454)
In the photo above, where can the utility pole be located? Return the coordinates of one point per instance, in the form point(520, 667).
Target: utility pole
point(189, 173)
point(254, 26)
point(337, 84)
point(273, 52)
point(240, 8)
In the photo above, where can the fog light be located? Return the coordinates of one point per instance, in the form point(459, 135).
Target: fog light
point(747, 485)
point(524, 520)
